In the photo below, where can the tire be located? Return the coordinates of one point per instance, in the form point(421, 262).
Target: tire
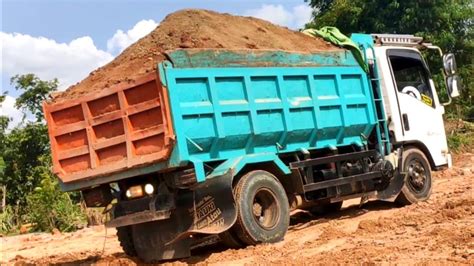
point(230, 240)
point(417, 181)
point(151, 241)
point(262, 209)
point(125, 238)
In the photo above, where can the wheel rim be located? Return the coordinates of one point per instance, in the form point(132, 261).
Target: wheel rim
point(417, 176)
point(265, 209)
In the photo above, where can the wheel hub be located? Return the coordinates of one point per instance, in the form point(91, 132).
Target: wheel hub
point(265, 209)
point(417, 175)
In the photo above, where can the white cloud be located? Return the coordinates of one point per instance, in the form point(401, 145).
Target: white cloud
point(7, 108)
point(274, 13)
point(302, 15)
point(122, 40)
point(48, 59)
point(294, 18)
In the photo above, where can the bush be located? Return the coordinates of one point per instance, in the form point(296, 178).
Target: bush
point(48, 207)
point(460, 135)
point(8, 221)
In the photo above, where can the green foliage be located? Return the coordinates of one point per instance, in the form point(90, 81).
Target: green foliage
point(48, 207)
point(4, 121)
point(2, 166)
point(320, 6)
point(23, 146)
point(33, 194)
point(34, 92)
point(9, 220)
point(460, 135)
point(3, 128)
point(22, 150)
point(446, 23)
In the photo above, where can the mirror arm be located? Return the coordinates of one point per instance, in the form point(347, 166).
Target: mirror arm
point(448, 102)
point(434, 47)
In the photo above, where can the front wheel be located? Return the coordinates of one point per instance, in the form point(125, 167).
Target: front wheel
point(417, 182)
point(262, 207)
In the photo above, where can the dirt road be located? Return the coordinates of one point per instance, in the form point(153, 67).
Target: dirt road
point(439, 231)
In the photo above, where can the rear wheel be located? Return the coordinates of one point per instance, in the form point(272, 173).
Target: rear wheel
point(262, 207)
point(124, 235)
point(230, 239)
point(151, 241)
point(417, 185)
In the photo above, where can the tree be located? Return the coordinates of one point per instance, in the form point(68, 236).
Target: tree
point(447, 23)
point(34, 92)
point(4, 120)
point(22, 147)
point(33, 189)
point(320, 6)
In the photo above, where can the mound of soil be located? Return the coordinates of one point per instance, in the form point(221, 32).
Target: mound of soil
point(192, 29)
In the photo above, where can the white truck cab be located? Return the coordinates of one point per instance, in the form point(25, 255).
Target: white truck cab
point(412, 107)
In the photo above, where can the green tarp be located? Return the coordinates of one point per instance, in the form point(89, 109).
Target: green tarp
point(333, 35)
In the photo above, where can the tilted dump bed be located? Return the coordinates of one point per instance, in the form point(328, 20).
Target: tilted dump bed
point(222, 105)
point(122, 127)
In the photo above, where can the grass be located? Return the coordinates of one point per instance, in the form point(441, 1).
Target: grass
point(460, 135)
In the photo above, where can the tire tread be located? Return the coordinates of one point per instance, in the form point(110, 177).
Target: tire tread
point(406, 197)
point(124, 235)
point(239, 227)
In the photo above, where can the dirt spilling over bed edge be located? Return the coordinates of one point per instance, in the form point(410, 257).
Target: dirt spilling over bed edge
point(192, 29)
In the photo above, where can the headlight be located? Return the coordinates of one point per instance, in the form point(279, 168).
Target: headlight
point(149, 189)
point(134, 192)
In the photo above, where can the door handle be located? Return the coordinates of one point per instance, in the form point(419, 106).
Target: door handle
point(406, 124)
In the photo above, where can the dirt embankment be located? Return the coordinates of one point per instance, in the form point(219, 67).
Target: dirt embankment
point(439, 231)
point(192, 29)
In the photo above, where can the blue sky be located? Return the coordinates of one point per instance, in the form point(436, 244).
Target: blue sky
point(68, 39)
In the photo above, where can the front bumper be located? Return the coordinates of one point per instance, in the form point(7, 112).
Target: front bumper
point(450, 160)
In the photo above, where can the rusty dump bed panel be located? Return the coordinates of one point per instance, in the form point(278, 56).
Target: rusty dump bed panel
point(122, 127)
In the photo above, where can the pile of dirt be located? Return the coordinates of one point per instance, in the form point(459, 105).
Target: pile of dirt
point(192, 29)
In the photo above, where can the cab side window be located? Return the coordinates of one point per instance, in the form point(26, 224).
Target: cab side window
point(411, 76)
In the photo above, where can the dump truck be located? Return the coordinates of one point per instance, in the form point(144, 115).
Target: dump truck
point(229, 142)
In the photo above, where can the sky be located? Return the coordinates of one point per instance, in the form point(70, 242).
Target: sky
point(67, 39)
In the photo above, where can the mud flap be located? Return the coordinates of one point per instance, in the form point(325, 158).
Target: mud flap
point(393, 189)
point(208, 208)
point(391, 192)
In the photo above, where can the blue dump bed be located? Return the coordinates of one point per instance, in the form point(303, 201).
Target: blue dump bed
point(235, 104)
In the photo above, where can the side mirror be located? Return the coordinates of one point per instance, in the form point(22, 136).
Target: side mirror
point(453, 83)
point(449, 64)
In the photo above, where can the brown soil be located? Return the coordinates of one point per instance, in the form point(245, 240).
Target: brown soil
point(439, 231)
point(192, 29)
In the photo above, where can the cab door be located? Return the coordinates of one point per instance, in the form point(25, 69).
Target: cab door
point(420, 111)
